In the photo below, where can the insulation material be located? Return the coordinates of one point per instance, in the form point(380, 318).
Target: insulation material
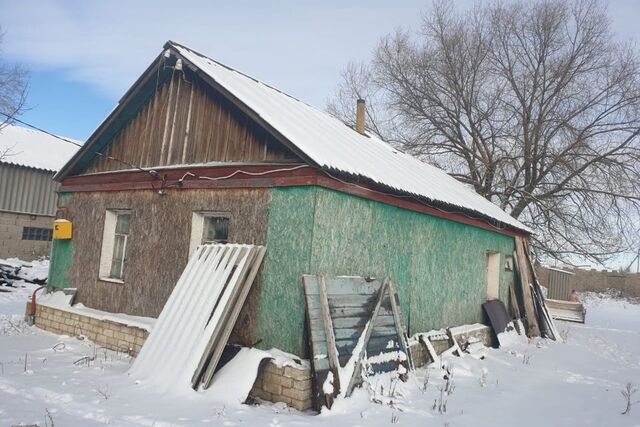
point(192, 330)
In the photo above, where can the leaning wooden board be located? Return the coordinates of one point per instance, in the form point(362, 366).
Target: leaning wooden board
point(350, 302)
point(566, 310)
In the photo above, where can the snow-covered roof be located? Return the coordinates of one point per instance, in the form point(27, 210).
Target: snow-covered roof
point(35, 149)
point(334, 146)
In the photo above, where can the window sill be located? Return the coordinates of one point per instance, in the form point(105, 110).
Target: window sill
point(111, 280)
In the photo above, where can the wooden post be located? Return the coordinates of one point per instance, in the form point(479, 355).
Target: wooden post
point(525, 281)
point(395, 307)
point(332, 353)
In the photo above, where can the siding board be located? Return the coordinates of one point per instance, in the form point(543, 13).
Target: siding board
point(187, 122)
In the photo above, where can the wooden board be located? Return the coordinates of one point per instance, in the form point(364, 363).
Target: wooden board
point(352, 303)
point(522, 265)
point(566, 310)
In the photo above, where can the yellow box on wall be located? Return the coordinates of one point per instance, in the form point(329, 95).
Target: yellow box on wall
point(62, 229)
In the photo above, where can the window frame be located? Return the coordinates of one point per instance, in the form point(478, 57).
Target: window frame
point(492, 275)
point(108, 251)
point(198, 227)
point(37, 234)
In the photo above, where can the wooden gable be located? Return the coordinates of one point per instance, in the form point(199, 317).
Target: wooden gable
point(187, 122)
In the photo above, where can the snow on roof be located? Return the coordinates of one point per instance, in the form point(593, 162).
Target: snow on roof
point(334, 146)
point(35, 149)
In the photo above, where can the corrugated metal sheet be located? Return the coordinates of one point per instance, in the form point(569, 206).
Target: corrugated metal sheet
point(337, 148)
point(27, 190)
point(198, 317)
point(559, 284)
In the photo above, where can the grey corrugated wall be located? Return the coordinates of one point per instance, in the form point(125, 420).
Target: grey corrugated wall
point(27, 190)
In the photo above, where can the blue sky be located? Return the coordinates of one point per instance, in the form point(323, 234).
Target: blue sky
point(84, 55)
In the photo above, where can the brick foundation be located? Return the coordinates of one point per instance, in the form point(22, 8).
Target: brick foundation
point(288, 384)
point(105, 333)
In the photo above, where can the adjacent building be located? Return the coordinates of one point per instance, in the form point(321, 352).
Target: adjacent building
point(28, 161)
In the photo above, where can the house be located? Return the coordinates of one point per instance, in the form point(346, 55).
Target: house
point(28, 161)
point(198, 152)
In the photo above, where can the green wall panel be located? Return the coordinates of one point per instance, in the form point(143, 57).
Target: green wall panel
point(438, 265)
point(281, 317)
point(61, 254)
point(60, 263)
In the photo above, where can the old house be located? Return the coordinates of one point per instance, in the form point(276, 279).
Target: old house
point(28, 161)
point(198, 152)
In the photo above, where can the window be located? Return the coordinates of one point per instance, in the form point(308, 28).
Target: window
point(115, 241)
point(35, 233)
point(209, 227)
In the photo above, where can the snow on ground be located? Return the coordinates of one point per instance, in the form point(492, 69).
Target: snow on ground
point(540, 383)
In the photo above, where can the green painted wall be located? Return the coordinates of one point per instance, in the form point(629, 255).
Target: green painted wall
point(61, 254)
point(281, 321)
point(439, 265)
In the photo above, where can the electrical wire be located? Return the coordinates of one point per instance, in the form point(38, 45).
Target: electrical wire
point(77, 144)
point(240, 171)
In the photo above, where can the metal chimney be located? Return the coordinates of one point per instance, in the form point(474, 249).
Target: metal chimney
point(360, 116)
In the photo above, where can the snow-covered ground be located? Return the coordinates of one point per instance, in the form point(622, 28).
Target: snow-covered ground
point(541, 383)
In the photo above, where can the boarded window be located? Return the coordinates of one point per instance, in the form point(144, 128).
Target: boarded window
point(37, 233)
point(115, 241)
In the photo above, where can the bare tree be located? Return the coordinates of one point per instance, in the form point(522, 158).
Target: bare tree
point(533, 104)
point(13, 94)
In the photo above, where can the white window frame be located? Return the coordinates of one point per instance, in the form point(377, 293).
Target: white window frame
point(493, 275)
point(197, 227)
point(108, 243)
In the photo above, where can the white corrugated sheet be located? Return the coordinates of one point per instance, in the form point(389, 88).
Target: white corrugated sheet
point(335, 146)
point(35, 149)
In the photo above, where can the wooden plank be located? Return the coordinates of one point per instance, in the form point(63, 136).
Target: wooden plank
point(547, 320)
point(359, 322)
point(520, 260)
point(317, 340)
point(515, 305)
point(332, 355)
point(395, 307)
point(356, 374)
point(356, 312)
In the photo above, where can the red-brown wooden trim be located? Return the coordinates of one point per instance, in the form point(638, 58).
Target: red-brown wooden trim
point(307, 176)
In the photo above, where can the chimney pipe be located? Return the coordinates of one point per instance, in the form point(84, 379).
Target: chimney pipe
point(360, 116)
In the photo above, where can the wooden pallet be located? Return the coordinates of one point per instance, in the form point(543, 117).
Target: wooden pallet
point(348, 318)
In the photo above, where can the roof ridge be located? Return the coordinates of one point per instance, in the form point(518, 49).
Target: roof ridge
point(270, 86)
point(235, 70)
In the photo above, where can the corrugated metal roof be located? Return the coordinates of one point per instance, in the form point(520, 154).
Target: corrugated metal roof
point(27, 190)
point(334, 146)
point(34, 149)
